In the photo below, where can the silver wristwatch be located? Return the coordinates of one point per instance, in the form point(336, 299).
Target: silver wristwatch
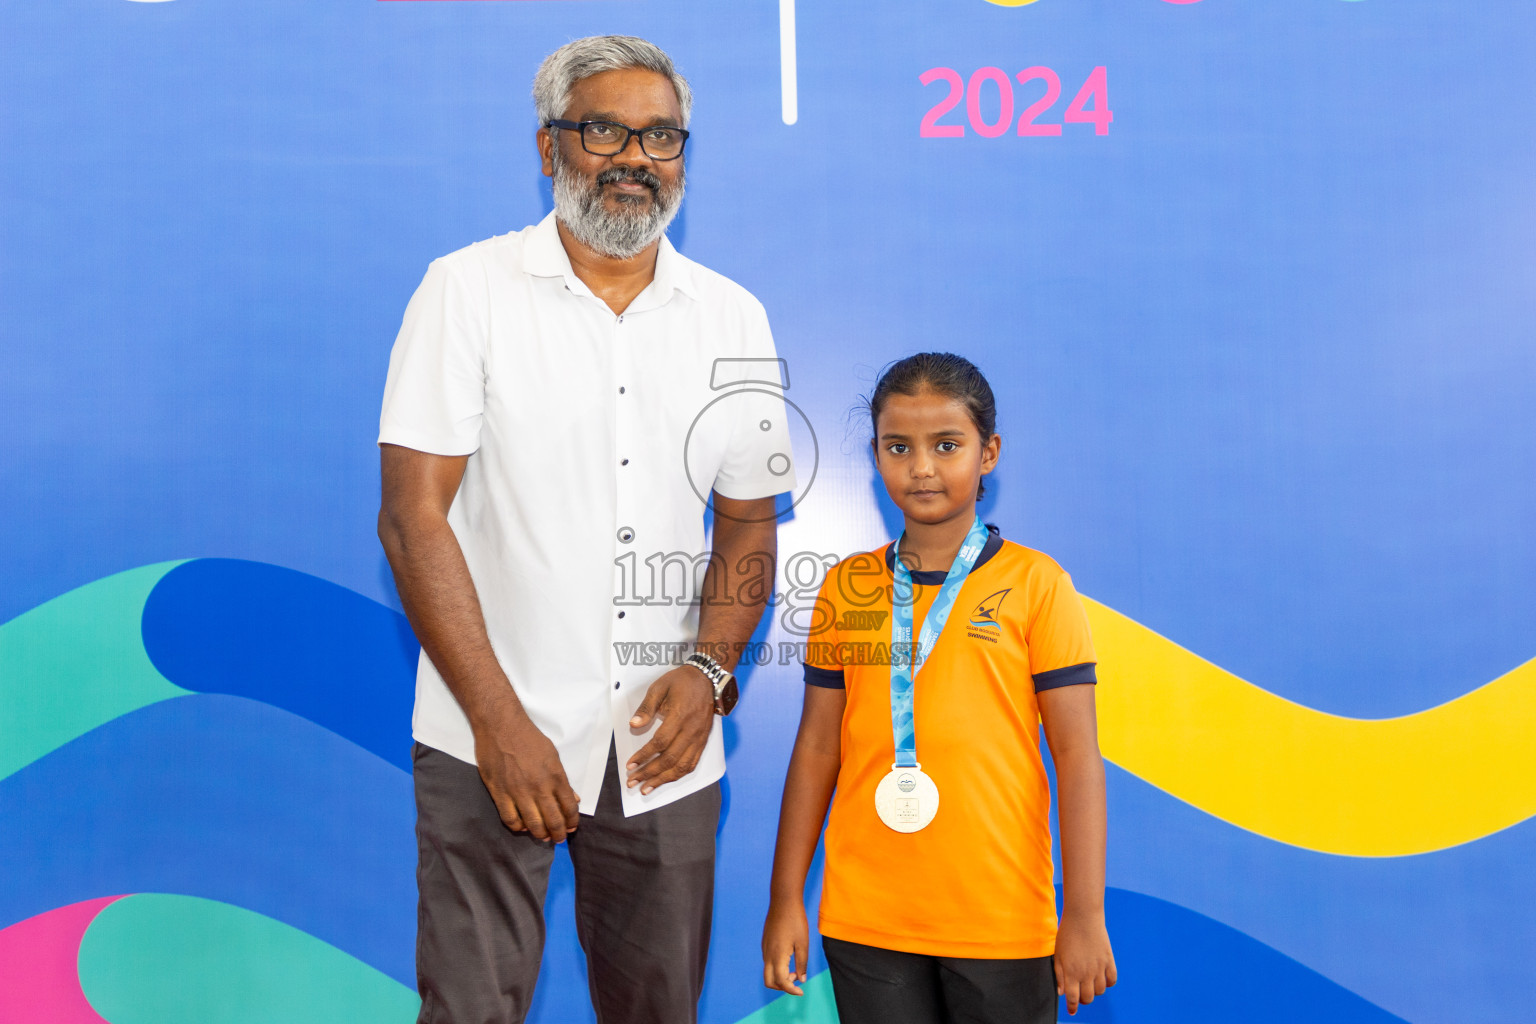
point(723, 682)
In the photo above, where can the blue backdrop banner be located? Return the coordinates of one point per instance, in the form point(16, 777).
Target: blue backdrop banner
point(1254, 285)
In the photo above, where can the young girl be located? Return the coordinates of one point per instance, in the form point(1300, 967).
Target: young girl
point(937, 900)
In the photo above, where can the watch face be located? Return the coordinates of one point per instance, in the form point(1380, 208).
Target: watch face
point(726, 700)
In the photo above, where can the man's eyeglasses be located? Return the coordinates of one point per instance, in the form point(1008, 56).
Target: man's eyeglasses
point(609, 138)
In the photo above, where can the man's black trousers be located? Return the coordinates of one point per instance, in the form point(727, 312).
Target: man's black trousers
point(644, 893)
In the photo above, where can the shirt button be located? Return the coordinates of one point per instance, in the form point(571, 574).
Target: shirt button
point(621, 390)
point(623, 462)
point(615, 686)
point(621, 319)
point(621, 615)
point(626, 534)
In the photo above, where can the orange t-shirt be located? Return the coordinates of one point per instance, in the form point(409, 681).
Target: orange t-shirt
point(977, 882)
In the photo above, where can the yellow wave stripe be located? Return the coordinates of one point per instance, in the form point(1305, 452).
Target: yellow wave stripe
point(1358, 787)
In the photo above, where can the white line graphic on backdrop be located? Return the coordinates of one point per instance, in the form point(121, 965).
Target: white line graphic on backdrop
point(789, 90)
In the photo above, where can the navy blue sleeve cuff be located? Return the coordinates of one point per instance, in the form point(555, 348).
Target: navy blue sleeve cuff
point(831, 678)
point(1072, 675)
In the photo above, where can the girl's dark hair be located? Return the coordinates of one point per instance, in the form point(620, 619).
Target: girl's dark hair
point(943, 373)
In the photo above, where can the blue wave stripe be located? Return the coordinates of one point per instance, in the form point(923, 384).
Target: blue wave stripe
point(1414, 914)
point(295, 641)
point(1177, 966)
point(227, 799)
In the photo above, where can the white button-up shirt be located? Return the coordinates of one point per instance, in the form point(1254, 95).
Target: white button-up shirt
point(594, 440)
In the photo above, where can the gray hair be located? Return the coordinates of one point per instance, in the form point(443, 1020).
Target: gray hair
point(574, 61)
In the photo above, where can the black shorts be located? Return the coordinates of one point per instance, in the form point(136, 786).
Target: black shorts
point(883, 986)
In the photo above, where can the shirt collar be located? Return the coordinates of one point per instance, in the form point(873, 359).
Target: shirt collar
point(544, 256)
point(674, 272)
point(934, 577)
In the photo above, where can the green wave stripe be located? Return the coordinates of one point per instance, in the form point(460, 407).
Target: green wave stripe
point(156, 958)
point(815, 1007)
point(75, 663)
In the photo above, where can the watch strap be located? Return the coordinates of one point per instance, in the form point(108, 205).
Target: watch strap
point(719, 679)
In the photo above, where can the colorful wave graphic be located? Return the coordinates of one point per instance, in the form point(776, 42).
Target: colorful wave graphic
point(227, 799)
point(1365, 788)
point(1167, 955)
point(207, 626)
point(156, 958)
point(39, 976)
point(229, 740)
point(1375, 788)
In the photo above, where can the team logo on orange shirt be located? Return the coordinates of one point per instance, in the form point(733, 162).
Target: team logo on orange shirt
point(985, 614)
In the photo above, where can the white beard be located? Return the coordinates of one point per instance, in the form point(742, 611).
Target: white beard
point(624, 235)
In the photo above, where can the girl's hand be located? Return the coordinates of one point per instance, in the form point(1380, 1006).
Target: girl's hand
point(786, 937)
point(1085, 965)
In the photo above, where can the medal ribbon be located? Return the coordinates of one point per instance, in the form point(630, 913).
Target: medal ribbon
point(904, 669)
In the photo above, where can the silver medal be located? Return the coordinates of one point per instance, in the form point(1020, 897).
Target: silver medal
point(907, 799)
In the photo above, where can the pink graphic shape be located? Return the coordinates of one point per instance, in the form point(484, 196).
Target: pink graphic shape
point(39, 966)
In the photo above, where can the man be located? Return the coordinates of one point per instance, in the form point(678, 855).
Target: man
point(541, 395)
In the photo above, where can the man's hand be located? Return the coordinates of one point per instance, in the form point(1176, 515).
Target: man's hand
point(521, 769)
point(786, 938)
point(1085, 965)
point(517, 762)
point(684, 700)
